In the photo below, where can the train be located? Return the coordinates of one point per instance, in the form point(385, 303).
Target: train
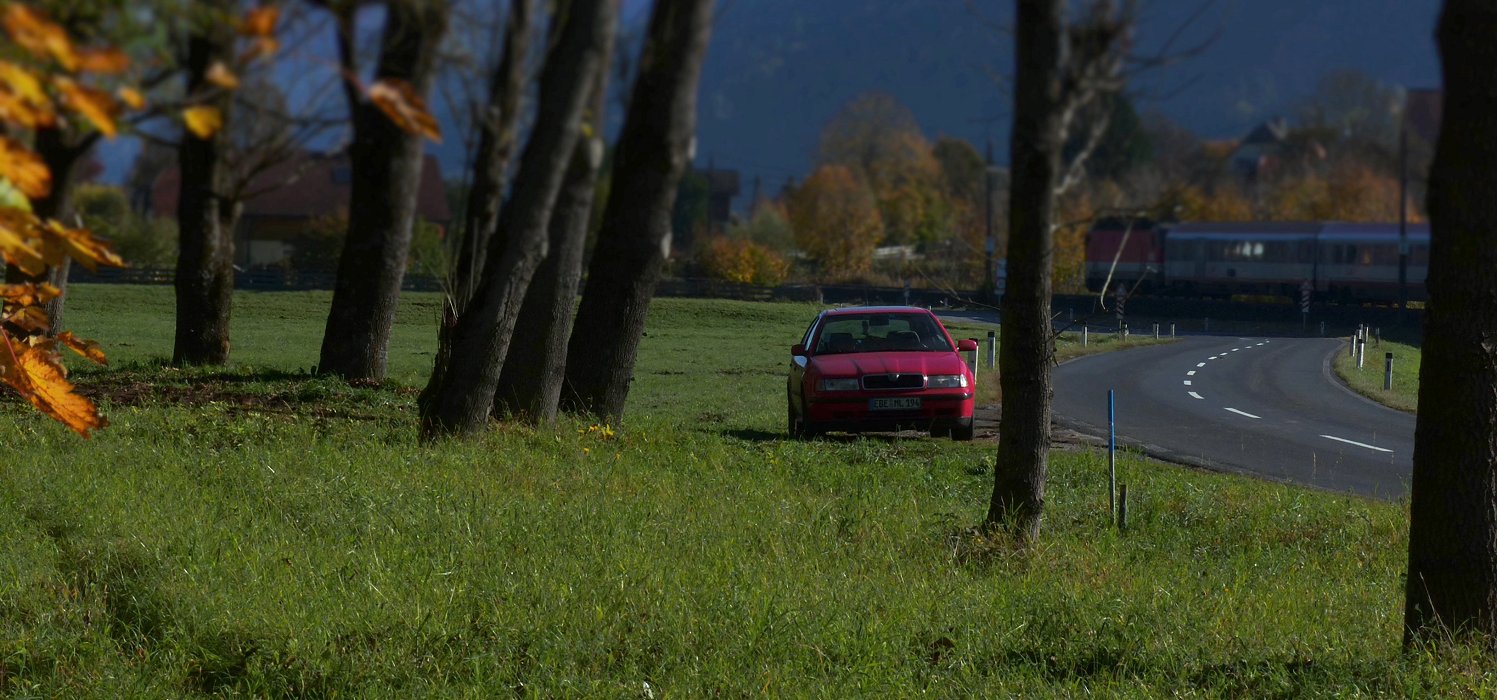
point(1336, 261)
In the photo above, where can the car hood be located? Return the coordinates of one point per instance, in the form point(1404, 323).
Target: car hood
point(856, 364)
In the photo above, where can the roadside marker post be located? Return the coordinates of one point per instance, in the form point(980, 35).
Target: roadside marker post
point(1304, 304)
point(1112, 456)
point(992, 348)
point(1388, 372)
point(1122, 506)
point(1083, 335)
point(1322, 329)
point(1361, 352)
point(1172, 330)
point(1156, 331)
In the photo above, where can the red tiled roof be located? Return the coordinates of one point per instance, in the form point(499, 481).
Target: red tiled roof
point(310, 186)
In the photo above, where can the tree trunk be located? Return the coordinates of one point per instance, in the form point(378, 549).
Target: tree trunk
point(458, 398)
point(386, 177)
point(534, 369)
point(652, 154)
point(496, 143)
point(63, 152)
point(1026, 353)
point(1452, 579)
point(206, 216)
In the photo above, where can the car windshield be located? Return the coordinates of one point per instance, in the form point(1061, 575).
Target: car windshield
point(881, 332)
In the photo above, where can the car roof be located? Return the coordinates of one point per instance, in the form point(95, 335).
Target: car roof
point(846, 310)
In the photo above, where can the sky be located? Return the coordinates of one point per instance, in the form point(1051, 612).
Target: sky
point(778, 70)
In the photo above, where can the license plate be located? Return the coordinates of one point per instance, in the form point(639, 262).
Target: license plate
point(894, 404)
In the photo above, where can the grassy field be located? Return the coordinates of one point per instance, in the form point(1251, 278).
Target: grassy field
point(1368, 381)
point(258, 531)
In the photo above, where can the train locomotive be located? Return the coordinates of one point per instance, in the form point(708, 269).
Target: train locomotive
point(1342, 262)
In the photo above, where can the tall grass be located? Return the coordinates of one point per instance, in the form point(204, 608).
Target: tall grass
point(259, 531)
point(1368, 381)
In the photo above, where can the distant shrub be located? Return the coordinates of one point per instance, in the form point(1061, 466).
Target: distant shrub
point(743, 262)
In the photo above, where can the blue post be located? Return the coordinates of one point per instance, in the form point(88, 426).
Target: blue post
point(1112, 455)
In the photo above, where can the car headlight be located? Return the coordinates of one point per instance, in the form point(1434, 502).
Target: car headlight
point(840, 384)
point(947, 381)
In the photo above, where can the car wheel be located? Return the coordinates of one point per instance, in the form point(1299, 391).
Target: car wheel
point(936, 432)
point(962, 432)
point(795, 426)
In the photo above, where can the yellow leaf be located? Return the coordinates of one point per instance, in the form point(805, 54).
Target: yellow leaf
point(399, 101)
point(36, 374)
point(131, 97)
point(109, 61)
point(28, 294)
point(97, 106)
point(30, 29)
point(22, 98)
point(87, 348)
point(24, 169)
point(29, 318)
point(59, 241)
point(203, 120)
point(260, 21)
point(17, 242)
point(220, 75)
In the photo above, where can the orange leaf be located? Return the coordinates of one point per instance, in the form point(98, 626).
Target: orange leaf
point(131, 97)
point(17, 242)
point(399, 101)
point(261, 46)
point(27, 294)
point(29, 318)
point(220, 75)
point(87, 348)
point(203, 121)
point(97, 106)
point(24, 169)
point(109, 61)
point(36, 374)
point(260, 21)
point(59, 241)
point(29, 28)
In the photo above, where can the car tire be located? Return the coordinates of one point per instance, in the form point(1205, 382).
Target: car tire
point(962, 432)
point(936, 432)
point(797, 428)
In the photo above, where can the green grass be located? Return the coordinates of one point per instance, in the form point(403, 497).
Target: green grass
point(257, 531)
point(1368, 381)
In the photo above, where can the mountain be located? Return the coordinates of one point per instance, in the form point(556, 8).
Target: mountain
point(777, 70)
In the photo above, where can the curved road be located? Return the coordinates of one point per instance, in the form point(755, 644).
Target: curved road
point(1266, 407)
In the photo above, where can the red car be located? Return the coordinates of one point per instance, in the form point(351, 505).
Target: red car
point(879, 368)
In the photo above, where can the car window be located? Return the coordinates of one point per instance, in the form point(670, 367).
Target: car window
point(875, 332)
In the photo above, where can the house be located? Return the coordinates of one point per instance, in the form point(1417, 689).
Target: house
point(285, 203)
point(1261, 149)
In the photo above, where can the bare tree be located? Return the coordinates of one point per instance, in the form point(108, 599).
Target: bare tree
point(459, 396)
point(652, 154)
point(205, 215)
point(386, 174)
point(1060, 70)
point(1452, 580)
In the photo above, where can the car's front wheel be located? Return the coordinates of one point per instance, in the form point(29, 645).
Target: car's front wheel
point(796, 426)
point(962, 432)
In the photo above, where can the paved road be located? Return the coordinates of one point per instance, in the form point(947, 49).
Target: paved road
point(1266, 407)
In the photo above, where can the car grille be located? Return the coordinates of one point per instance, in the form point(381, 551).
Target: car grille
point(894, 381)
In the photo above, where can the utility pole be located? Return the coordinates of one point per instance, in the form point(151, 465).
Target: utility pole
point(1403, 210)
point(990, 271)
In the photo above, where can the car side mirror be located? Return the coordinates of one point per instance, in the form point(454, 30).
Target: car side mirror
point(797, 350)
point(966, 345)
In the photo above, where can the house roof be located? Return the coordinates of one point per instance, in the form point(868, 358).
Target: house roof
point(1271, 131)
point(308, 186)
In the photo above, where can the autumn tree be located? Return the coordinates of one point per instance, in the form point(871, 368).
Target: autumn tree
point(1060, 69)
point(652, 153)
point(836, 221)
point(458, 398)
point(389, 121)
point(1451, 586)
point(878, 140)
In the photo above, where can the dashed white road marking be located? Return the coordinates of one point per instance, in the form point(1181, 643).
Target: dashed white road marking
point(1187, 382)
point(1213, 357)
point(1243, 413)
point(1358, 444)
point(1191, 373)
point(1200, 364)
point(1195, 395)
point(1263, 342)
